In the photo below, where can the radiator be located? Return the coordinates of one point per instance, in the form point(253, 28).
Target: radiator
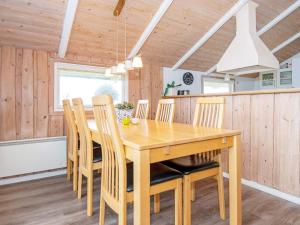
point(23, 157)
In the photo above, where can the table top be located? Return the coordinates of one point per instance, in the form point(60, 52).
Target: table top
point(153, 134)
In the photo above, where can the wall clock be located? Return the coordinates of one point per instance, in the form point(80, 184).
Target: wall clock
point(188, 78)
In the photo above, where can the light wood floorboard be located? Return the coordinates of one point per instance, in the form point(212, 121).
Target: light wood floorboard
point(51, 201)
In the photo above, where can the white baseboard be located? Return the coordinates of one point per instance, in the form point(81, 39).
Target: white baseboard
point(32, 177)
point(271, 191)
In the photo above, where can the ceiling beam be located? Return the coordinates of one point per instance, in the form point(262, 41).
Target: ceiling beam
point(271, 24)
point(231, 12)
point(119, 7)
point(280, 17)
point(154, 21)
point(289, 59)
point(212, 69)
point(67, 27)
point(286, 42)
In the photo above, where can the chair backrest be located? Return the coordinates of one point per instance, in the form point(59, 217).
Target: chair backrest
point(86, 144)
point(165, 110)
point(209, 112)
point(142, 109)
point(113, 178)
point(72, 133)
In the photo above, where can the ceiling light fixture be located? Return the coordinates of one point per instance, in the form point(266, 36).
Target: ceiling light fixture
point(137, 62)
point(129, 63)
point(108, 72)
point(114, 69)
point(121, 68)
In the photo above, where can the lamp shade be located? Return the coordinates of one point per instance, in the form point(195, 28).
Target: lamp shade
point(128, 64)
point(108, 72)
point(114, 69)
point(121, 68)
point(137, 62)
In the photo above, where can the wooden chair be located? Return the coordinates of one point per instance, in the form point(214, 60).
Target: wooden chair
point(142, 109)
point(117, 176)
point(165, 110)
point(90, 158)
point(208, 113)
point(165, 113)
point(72, 142)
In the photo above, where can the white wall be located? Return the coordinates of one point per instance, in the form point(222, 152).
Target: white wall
point(289, 60)
point(246, 84)
point(177, 76)
point(296, 70)
point(169, 75)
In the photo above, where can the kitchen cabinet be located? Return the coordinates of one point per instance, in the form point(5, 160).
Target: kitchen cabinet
point(267, 80)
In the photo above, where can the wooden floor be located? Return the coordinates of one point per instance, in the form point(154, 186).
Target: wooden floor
point(52, 201)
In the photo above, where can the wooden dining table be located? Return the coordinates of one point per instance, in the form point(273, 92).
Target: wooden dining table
point(150, 141)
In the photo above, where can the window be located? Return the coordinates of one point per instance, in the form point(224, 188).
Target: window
point(73, 81)
point(216, 85)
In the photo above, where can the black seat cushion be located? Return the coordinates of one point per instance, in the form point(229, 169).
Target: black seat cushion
point(190, 164)
point(96, 145)
point(159, 173)
point(97, 153)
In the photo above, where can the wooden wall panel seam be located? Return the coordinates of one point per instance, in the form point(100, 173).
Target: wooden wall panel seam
point(262, 147)
point(27, 94)
point(1, 111)
point(18, 108)
point(286, 139)
point(7, 94)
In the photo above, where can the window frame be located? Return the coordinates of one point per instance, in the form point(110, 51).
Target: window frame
point(90, 68)
point(216, 77)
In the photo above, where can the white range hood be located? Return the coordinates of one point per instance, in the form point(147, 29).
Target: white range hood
point(247, 53)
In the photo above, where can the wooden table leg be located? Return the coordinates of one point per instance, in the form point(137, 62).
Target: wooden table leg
point(141, 164)
point(235, 197)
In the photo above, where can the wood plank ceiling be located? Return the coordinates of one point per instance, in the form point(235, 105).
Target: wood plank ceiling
point(38, 23)
point(94, 29)
point(33, 24)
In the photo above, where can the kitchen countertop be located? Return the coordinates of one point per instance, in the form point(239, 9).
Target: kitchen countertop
point(273, 91)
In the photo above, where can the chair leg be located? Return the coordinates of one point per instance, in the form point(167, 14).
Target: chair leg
point(178, 203)
point(187, 200)
point(102, 211)
point(221, 195)
point(79, 184)
point(69, 169)
point(193, 191)
point(122, 215)
point(156, 203)
point(75, 175)
point(90, 181)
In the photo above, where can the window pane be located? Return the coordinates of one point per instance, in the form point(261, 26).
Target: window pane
point(214, 85)
point(86, 84)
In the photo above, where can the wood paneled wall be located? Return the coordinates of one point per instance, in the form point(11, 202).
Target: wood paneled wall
point(270, 126)
point(27, 90)
point(146, 83)
point(23, 94)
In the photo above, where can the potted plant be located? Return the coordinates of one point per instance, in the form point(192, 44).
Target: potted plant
point(170, 89)
point(124, 110)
